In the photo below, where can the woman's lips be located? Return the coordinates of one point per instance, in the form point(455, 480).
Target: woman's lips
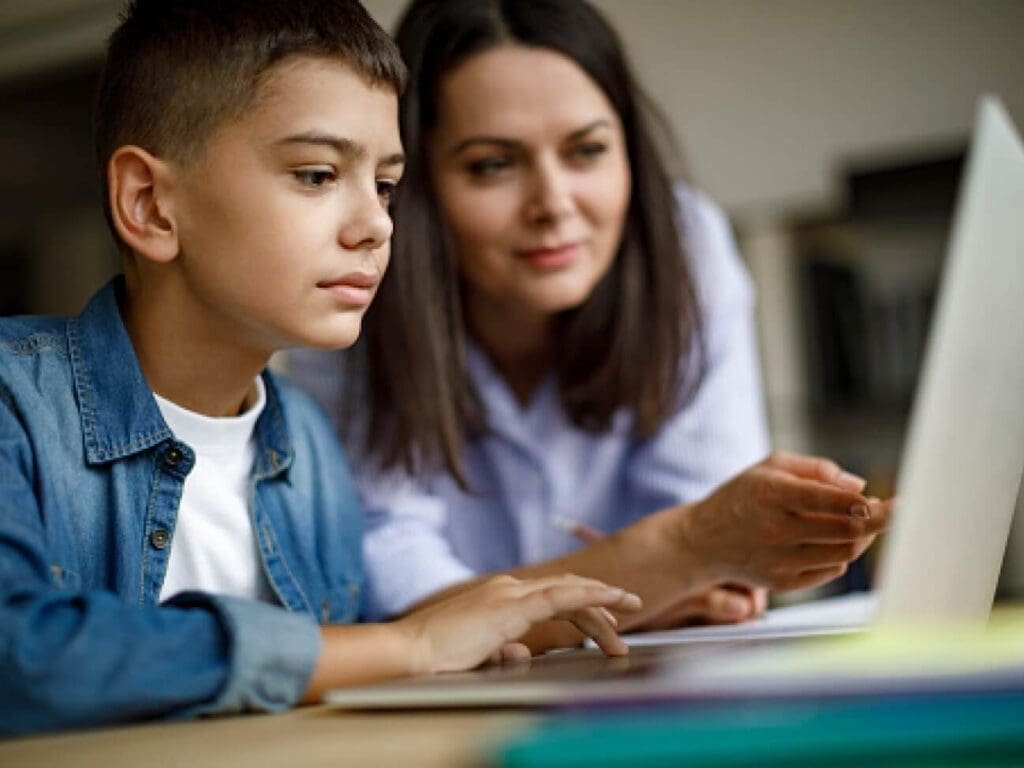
point(558, 257)
point(355, 289)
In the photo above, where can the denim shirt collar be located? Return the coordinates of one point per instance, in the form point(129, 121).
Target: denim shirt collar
point(119, 415)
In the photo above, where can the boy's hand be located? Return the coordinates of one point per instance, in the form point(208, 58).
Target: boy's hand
point(486, 622)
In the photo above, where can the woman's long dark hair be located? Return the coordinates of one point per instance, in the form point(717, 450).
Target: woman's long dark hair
point(634, 343)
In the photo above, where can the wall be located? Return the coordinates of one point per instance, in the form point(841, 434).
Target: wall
point(768, 96)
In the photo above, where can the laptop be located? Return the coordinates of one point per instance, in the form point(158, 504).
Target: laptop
point(960, 473)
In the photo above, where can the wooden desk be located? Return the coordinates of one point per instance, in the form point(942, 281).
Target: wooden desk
point(318, 736)
point(310, 736)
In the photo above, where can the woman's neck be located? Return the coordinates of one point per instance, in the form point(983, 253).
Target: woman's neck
point(518, 343)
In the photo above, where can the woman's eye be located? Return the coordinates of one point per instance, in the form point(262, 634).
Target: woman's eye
point(485, 167)
point(589, 151)
point(314, 177)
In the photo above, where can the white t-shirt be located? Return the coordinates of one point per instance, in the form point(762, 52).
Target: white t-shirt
point(213, 548)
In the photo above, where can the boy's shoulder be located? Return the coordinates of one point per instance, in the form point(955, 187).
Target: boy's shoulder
point(308, 425)
point(25, 334)
point(304, 416)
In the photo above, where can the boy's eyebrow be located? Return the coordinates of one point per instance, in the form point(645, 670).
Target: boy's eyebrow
point(343, 146)
point(392, 160)
point(513, 144)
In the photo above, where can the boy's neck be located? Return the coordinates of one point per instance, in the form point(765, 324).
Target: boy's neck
point(185, 358)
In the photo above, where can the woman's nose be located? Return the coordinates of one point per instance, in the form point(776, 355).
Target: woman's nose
point(550, 197)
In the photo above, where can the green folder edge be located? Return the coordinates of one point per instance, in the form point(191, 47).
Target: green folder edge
point(959, 730)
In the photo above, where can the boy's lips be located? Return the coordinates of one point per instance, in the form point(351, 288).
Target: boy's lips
point(355, 288)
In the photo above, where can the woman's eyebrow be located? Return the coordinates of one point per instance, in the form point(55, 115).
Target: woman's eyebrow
point(489, 140)
point(506, 143)
point(579, 133)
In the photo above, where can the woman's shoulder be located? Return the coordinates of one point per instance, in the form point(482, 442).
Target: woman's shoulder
point(718, 270)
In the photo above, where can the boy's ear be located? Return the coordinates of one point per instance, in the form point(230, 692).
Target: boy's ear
point(140, 203)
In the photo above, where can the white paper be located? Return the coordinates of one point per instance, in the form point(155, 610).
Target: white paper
point(835, 615)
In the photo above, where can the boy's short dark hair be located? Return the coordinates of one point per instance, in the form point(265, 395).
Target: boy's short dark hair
point(177, 69)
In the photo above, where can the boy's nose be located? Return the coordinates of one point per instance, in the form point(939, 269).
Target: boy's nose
point(366, 225)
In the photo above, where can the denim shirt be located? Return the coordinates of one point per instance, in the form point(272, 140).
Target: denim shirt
point(90, 482)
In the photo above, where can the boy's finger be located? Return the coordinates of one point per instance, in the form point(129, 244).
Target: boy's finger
point(570, 596)
point(527, 586)
point(515, 652)
point(594, 625)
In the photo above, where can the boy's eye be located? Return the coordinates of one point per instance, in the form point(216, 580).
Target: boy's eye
point(314, 177)
point(486, 167)
point(386, 190)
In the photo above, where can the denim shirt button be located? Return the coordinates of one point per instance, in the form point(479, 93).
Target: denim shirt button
point(173, 457)
point(159, 538)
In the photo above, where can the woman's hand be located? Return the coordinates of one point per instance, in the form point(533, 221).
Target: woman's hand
point(486, 622)
point(720, 604)
point(787, 523)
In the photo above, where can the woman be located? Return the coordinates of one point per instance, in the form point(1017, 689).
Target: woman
point(576, 351)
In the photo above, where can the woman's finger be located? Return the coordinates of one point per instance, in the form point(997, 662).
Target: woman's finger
point(813, 556)
point(823, 527)
point(725, 605)
point(759, 595)
point(811, 578)
point(817, 468)
point(795, 493)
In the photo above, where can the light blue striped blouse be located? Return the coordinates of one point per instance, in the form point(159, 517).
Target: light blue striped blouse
point(536, 466)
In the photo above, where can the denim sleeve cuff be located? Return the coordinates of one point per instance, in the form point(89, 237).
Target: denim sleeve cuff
point(272, 653)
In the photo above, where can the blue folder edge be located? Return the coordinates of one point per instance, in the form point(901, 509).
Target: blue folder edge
point(962, 729)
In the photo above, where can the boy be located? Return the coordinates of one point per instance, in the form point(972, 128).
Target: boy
point(174, 520)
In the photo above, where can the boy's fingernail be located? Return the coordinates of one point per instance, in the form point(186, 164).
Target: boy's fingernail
point(860, 510)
